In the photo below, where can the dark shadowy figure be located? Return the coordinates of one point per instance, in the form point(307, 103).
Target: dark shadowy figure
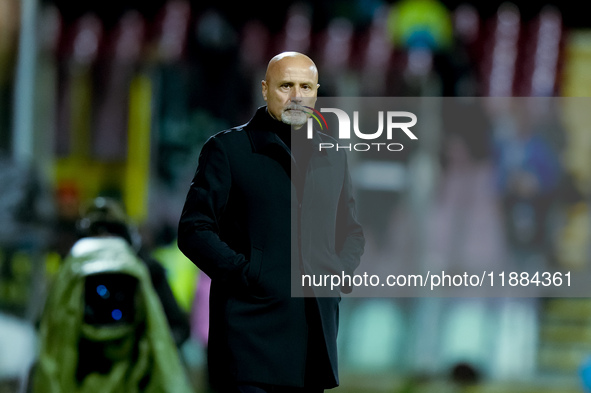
point(263, 197)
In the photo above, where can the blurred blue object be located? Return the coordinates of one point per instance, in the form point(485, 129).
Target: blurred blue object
point(585, 374)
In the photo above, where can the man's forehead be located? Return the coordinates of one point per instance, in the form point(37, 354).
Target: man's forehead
point(290, 71)
point(291, 64)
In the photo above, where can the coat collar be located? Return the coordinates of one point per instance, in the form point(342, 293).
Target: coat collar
point(262, 130)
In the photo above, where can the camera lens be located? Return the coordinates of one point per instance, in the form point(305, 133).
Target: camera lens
point(109, 299)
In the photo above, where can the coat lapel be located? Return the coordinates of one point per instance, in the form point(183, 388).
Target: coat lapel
point(265, 141)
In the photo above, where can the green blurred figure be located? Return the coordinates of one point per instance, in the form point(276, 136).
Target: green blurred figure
point(103, 327)
point(106, 217)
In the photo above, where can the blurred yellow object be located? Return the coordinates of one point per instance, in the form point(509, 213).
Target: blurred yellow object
point(138, 155)
point(576, 82)
point(574, 238)
point(576, 79)
point(420, 23)
point(90, 176)
point(180, 272)
point(9, 27)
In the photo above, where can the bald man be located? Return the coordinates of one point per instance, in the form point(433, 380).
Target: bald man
point(259, 189)
point(291, 81)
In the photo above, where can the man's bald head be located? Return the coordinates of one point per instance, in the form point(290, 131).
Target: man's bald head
point(291, 82)
point(290, 59)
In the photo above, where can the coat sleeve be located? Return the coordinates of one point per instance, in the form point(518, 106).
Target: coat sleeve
point(199, 226)
point(350, 241)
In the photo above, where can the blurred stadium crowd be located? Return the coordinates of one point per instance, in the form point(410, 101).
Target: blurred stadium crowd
point(116, 99)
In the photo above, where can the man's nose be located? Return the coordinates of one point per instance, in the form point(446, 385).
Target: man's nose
point(295, 99)
point(296, 94)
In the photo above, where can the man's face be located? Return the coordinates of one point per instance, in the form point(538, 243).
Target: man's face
point(291, 84)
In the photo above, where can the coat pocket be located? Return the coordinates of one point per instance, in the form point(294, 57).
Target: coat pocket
point(254, 266)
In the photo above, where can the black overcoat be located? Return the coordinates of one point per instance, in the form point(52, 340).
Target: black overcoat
point(245, 219)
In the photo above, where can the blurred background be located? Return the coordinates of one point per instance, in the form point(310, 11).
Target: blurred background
point(116, 98)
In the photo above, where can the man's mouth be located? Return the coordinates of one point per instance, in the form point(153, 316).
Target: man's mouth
point(295, 109)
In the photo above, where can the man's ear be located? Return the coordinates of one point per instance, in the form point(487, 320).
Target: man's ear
point(264, 89)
